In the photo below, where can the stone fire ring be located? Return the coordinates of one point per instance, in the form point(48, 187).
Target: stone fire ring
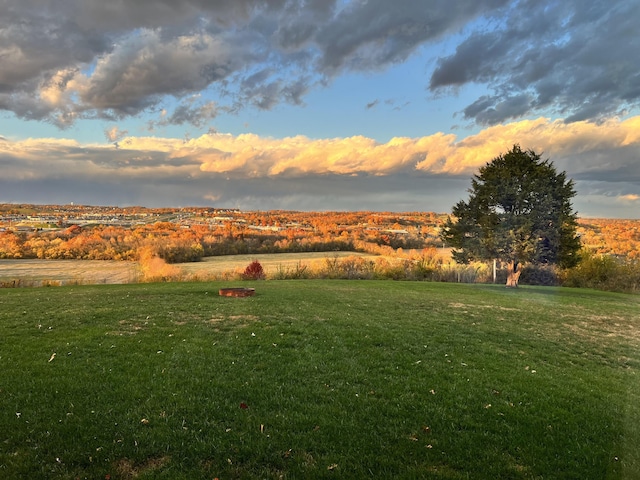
point(237, 292)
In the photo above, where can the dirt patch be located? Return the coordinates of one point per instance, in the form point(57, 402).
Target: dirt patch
point(241, 319)
point(464, 305)
point(128, 328)
point(596, 327)
point(236, 321)
point(125, 468)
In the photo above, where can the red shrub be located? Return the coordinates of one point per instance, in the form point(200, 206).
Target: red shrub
point(254, 271)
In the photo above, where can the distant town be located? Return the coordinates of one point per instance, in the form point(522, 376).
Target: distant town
point(26, 217)
point(29, 217)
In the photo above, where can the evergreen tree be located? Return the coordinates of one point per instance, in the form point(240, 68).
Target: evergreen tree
point(519, 211)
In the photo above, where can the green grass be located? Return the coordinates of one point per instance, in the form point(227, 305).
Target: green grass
point(341, 379)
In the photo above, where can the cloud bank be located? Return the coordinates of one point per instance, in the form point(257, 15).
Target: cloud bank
point(74, 59)
point(248, 171)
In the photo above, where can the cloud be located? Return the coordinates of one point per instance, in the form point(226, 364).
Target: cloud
point(253, 172)
point(191, 110)
point(373, 34)
point(114, 133)
point(581, 148)
point(96, 59)
point(567, 59)
point(88, 60)
point(586, 150)
point(144, 67)
point(252, 156)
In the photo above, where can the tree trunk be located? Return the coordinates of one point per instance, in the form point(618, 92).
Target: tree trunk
point(513, 274)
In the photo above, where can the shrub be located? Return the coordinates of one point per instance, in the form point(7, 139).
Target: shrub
point(353, 267)
point(254, 271)
point(156, 269)
point(603, 272)
point(390, 269)
point(539, 275)
point(425, 264)
point(300, 270)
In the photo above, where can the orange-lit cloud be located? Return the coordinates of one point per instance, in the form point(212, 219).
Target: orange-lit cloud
point(252, 156)
point(550, 138)
point(249, 171)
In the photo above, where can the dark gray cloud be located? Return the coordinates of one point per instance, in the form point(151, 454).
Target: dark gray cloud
point(72, 59)
point(95, 59)
point(568, 57)
point(373, 34)
point(489, 110)
point(189, 111)
point(399, 193)
point(101, 59)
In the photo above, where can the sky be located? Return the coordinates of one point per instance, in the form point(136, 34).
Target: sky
point(314, 104)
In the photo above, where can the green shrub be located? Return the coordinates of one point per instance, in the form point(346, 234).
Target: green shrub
point(603, 272)
point(545, 275)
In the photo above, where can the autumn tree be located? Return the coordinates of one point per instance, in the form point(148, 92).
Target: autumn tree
point(519, 211)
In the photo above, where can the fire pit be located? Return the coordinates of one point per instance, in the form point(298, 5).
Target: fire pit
point(237, 292)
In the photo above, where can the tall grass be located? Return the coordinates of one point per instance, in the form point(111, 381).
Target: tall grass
point(319, 379)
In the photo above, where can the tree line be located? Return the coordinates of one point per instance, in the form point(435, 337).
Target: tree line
point(176, 244)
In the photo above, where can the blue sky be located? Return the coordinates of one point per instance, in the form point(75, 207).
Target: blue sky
point(314, 104)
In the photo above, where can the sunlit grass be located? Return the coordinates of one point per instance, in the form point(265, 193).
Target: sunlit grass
point(315, 379)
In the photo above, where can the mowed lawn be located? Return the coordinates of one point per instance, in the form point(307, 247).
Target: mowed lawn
point(319, 379)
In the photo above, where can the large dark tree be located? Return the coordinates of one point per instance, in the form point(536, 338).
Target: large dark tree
point(519, 211)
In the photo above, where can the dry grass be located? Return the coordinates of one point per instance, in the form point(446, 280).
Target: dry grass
point(37, 272)
point(127, 469)
point(271, 263)
point(83, 272)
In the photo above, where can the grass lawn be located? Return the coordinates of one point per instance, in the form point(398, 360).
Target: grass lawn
point(319, 379)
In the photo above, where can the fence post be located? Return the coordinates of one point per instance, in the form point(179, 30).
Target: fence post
point(494, 270)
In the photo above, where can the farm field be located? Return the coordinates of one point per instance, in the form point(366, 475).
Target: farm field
point(319, 379)
point(34, 272)
point(270, 262)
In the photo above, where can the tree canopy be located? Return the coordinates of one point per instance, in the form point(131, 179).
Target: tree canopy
point(519, 211)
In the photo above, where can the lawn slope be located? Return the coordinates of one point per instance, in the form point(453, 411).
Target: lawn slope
point(319, 379)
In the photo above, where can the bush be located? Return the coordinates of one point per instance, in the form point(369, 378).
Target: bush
point(254, 271)
point(539, 275)
point(300, 270)
point(603, 272)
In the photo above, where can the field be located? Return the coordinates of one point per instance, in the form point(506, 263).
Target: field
point(270, 262)
point(35, 272)
point(61, 272)
point(319, 379)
